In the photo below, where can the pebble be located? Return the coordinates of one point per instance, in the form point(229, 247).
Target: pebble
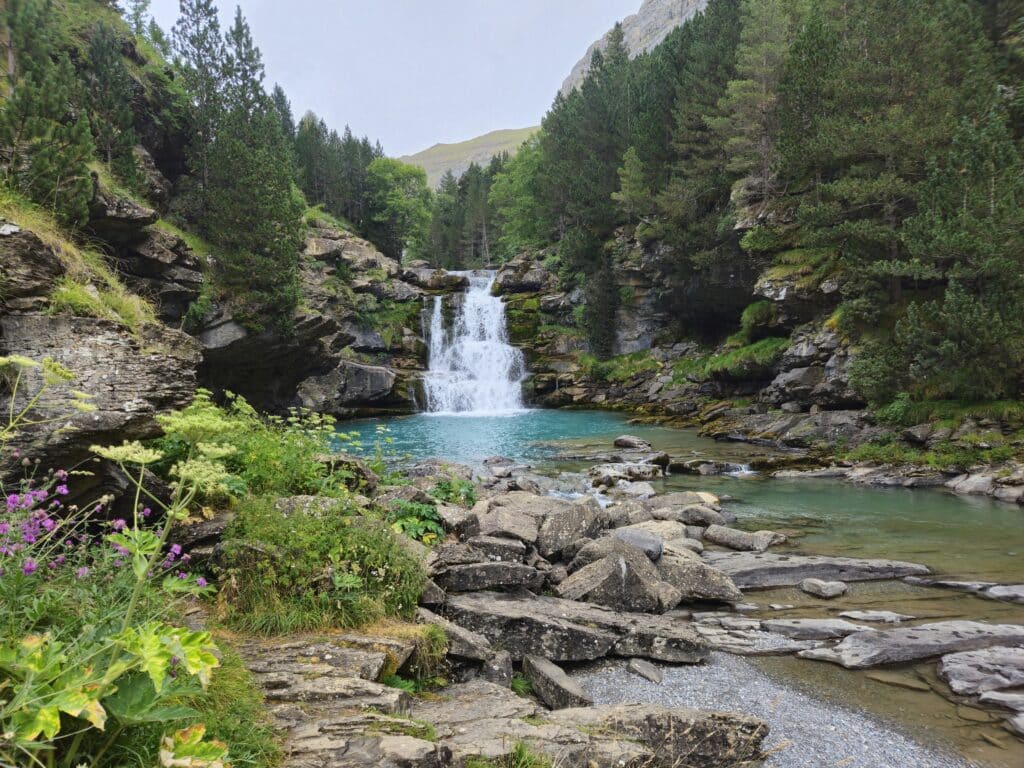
point(806, 732)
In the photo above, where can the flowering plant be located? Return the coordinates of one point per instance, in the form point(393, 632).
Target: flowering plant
point(87, 649)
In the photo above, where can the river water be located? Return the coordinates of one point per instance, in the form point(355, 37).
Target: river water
point(963, 538)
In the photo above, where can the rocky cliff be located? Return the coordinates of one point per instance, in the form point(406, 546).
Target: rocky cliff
point(643, 31)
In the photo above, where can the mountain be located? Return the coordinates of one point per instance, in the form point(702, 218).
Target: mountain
point(643, 31)
point(457, 157)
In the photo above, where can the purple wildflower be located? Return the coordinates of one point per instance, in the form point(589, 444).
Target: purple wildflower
point(201, 582)
point(61, 490)
point(29, 567)
point(119, 524)
point(81, 573)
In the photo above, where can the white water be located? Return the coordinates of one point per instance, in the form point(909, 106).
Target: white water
point(473, 370)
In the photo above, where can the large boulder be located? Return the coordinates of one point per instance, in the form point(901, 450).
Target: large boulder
point(894, 646)
point(624, 581)
point(564, 526)
point(695, 579)
point(349, 384)
point(552, 686)
point(742, 540)
point(474, 577)
point(761, 570)
point(161, 266)
point(28, 270)
point(989, 669)
point(115, 218)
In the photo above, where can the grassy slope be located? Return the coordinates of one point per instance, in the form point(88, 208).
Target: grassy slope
point(457, 157)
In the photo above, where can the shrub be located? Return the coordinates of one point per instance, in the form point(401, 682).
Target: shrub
point(621, 368)
point(417, 521)
point(750, 360)
point(455, 491)
point(312, 570)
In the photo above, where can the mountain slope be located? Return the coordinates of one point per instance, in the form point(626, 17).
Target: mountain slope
point(457, 157)
point(643, 31)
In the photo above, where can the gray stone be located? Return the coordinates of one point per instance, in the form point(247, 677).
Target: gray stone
point(1011, 593)
point(1016, 725)
point(666, 530)
point(826, 590)
point(509, 524)
point(432, 595)
point(474, 577)
point(645, 670)
point(599, 549)
point(552, 686)
point(461, 642)
point(741, 540)
point(881, 617)
point(498, 669)
point(499, 549)
point(625, 581)
point(989, 669)
point(633, 490)
point(462, 522)
point(695, 579)
point(761, 570)
point(647, 542)
point(629, 441)
point(893, 646)
point(1005, 699)
point(610, 474)
point(813, 629)
point(562, 527)
point(698, 515)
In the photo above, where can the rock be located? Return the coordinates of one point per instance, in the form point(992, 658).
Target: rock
point(580, 520)
point(826, 590)
point(989, 669)
point(1016, 725)
point(646, 670)
point(666, 530)
point(432, 595)
point(461, 642)
point(629, 441)
point(1006, 699)
point(499, 549)
point(760, 570)
point(741, 540)
point(633, 490)
point(893, 646)
point(695, 579)
point(462, 522)
point(882, 617)
point(646, 541)
point(498, 669)
point(702, 739)
point(475, 577)
point(131, 379)
point(349, 384)
point(599, 549)
point(552, 686)
point(116, 218)
point(626, 581)
point(698, 515)
point(610, 474)
point(813, 629)
point(30, 270)
point(683, 499)
point(1011, 593)
point(162, 266)
point(566, 630)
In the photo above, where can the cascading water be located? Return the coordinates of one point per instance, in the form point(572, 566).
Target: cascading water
point(473, 369)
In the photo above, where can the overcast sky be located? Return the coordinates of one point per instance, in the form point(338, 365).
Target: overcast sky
point(416, 72)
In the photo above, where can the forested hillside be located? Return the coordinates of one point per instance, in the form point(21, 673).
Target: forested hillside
point(870, 147)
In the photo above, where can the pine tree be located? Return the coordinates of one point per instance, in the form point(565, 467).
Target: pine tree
point(49, 144)
point(244, 68)
point(635, 198)
point(136, 12)
point(202, 59)
point(109, 90)
point(159, 39)
point(284, 109)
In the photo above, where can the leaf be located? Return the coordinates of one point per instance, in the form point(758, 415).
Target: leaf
point(29, 723)
point(187, 749)
point(150, 650)
point(136, 702)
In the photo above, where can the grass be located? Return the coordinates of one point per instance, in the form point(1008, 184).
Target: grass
point(90, 287)
point(457, 157)
point(741, 362)
point(621, 368)
point(945, 456)
point(521, 685)
point(520, 757)
point(953, 413)
point(316, 214)
point(196, 243)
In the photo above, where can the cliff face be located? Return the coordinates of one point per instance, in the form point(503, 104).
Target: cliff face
point(643, 31)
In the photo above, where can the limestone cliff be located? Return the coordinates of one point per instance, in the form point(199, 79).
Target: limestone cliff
point(643, 31)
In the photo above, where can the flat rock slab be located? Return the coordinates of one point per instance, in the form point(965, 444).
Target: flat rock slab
point(566, 630)
point(315, 654)
point(989, 669)
point(461, 642)
point(1011, 593)
point(813, 629)
point(742, 540)
point(1005, 699)
point(646, 670)
point(552, 686)
point(479, 576)
point(826, 590)
point(880, 617)
point(762, 570)
point(894, 646)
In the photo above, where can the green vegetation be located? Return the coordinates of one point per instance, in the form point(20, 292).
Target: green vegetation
point(417, 521)
point(455, 491)
point(313, 569)
point(742, 362)
point(462, 224)
point(520, 757)
point(521, 685)
point(945, 456)
point(619, 369)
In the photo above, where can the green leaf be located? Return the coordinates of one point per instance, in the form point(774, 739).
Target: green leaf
point(136, 702)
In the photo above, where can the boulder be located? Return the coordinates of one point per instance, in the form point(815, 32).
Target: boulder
point(499, 549)
point(562, 527)
point(114, 218)
point(646, 541)
point(1010, 593)
point(610, 474)
point(552, 686)
point(894, 646)
point(629, 441)
point(626, 581)
point(1005, 699)
point(567, 630)
point(28, 270)
point(599, 549)
point(164, 268)
point(813, 629)
point(683, 499)
point(666, 530)
point(459, 521)
point(474, 577)
point(762, 570)
point(989, 669)
point(498, 669)
point(699, 515)
point(695, 579)
point(882, 617)
point(827, 590)
point(741, 540)
point(349, 384)
point(461, 642)
point(632, 490)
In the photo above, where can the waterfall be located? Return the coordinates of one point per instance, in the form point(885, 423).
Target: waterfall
point(473, 369)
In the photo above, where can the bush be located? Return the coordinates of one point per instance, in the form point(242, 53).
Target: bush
point(312, 570)
point(751, 360)
point(417, 521)
point(619, 369)
point(455, 491)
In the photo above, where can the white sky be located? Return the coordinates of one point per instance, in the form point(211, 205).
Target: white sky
point(415, 72)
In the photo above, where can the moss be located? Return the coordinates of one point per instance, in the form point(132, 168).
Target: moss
point(400, 726)
point(619, 369)
point(742, 362)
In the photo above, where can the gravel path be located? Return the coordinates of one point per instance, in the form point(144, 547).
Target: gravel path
point(808, 732)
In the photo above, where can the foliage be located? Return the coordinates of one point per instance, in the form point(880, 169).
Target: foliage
point(619, 369)
point(416, 520)
point(464, 233)
point(946, 456)
point(89, 654)
point(399, 202)
point(521, 685)
point(742, 362)
point(313, 569)
point(48, 142)
point(455, 490)
point(521, 756)
point(109, 90)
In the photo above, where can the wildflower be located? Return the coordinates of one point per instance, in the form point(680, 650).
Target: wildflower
point(4, 528)
point(175, 549)
point(182, 575)
point(81, 573)
point(146, 512)
point(119, 524)
point(29, 567)
point(61, 474)
point(201, 582)
point(61, 490)
point(128, 453)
